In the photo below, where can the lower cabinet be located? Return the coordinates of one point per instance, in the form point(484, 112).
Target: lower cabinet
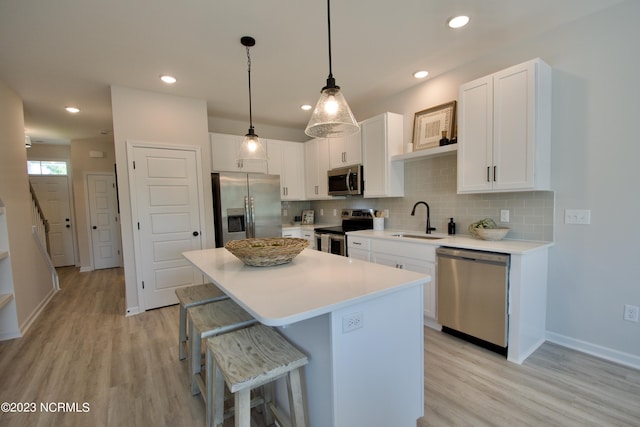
point(300, 233)
point(416, 257)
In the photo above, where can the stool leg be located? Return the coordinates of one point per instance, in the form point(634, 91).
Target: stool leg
point(195, 347)
point(243, 408)
point(183, 331)
point(267, 391)
point(217, 392)
point(296, 399)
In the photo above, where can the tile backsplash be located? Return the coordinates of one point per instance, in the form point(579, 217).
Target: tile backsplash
point(531, 214)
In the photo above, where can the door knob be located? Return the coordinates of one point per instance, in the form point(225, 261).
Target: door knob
point(94, 227)
point(195, 233)
point(68, 226)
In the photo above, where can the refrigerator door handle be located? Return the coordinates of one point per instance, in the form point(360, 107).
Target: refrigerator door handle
point(253, 219)
point(247, 220)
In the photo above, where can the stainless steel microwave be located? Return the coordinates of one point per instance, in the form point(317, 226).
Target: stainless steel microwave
point(346, 181)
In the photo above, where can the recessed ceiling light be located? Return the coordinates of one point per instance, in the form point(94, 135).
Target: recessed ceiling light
point(306, 107)
point(420, 74)
point(72, 110)
point(458, 21)
point(168, 79)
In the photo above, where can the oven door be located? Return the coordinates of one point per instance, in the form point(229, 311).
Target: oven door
point(332, 243)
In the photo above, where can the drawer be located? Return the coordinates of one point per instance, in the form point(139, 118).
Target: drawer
point(358, 242)
point(405, 249)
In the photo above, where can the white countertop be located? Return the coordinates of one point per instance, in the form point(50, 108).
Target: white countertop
point(458, 241)
point(314, 283)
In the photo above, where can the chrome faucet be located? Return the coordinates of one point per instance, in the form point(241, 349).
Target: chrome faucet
point(413, 213)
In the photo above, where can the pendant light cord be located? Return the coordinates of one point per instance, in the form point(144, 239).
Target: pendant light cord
point(249, 74)
point(329, 34)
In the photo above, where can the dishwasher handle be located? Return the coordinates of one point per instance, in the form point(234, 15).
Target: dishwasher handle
point(473, 256)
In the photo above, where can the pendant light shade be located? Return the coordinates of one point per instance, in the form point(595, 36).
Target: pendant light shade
point(332, 116)
point(251, 148)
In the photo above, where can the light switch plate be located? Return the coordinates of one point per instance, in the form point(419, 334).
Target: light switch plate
point(504, 215)
point(577, 216)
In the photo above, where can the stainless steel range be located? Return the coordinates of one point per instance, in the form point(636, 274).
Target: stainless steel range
point(334, 239)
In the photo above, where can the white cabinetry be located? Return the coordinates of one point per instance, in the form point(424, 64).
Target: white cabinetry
point(316, 154)
point(301, 233)
point(8, 315)
point(416, 257)
point(345, 151)
point(292, 232)
point(381, 139)
point(287, 160)
point(359, 248)
point(224, 155)
point(504, 130)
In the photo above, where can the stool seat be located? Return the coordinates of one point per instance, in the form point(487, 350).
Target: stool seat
point(250, 358)
point(208, 320)
point(190, 296)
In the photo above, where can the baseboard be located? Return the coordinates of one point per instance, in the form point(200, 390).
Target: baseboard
point(35, 313)
point(432, 323)
point(132, 311)
point(616, 356)
point(9, 336)
point(86, 269)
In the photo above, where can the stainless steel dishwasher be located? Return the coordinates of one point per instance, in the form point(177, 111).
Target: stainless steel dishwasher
point(473, 289)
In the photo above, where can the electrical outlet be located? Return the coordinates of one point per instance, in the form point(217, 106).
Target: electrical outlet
point(386, 213)
point(352, 321)
point(577, 216)
point(285, 212)
point(321, 212)
point(335, 212)
point(631, 313)
point(504, 215)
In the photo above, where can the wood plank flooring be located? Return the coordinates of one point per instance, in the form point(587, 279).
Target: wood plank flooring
point(83, 349)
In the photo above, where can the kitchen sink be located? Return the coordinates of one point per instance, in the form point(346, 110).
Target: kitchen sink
point(417, 236)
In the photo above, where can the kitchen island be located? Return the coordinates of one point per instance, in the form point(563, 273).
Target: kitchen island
point(359, 323)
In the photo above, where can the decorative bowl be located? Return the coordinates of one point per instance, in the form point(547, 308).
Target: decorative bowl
point(266, 251)
point(496, 233)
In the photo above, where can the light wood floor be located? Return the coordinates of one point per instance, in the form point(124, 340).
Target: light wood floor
point(83, 349)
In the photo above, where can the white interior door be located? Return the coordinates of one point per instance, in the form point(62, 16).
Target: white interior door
point(166, 195)
point(103, 217)
point(53, 195)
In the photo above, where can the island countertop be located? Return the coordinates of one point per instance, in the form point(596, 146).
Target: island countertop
point(314, 283)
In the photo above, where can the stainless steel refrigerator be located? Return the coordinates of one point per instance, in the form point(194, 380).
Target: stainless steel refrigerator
point(245, 205)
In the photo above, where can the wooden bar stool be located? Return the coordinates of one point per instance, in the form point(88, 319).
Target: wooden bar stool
point(209, 320)
point(192, 296)
point(250, 358)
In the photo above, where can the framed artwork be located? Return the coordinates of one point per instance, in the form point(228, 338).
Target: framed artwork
point(307, 216)
point(429, 124)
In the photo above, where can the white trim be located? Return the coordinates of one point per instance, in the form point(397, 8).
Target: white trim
point(616, 356)
point(45, 255)
point(86, 269)
point(132, 311)
point(35, 313)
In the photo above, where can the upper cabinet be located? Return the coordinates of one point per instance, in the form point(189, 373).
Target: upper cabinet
point(504, 130)
point(287, 160)
point(345, 151)
point(224, 155)
point(316, 154)
point(382, 138)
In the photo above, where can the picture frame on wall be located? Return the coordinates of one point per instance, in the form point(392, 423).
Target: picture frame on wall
point(307, 216)
point(429, 124)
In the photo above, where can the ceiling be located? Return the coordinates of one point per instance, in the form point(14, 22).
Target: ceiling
point(69, 52)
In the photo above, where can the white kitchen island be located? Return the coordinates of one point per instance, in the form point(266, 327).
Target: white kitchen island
point(359, 323)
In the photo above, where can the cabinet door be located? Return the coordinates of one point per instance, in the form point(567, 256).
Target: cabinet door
point(475, 136)
point(310, 236)
point(345, 151)
point(292, 232)
point(359, 254)
point(287, 160)
point(382, 137)
point(316, 153)
point(513, 127)
point(224, 155)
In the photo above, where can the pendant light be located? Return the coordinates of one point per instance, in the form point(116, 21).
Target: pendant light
point(252, 147)
point(332, 116)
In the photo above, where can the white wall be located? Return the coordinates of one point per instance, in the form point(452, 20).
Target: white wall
point(594, 270)
point(153, 117)
point(31, 278)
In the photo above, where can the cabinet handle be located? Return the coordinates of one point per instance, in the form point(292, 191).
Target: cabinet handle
point(316, 189)
point(357, 244)
point(494, 173)
point(488, 172)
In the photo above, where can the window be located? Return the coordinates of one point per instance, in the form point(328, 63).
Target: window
point(45, 167)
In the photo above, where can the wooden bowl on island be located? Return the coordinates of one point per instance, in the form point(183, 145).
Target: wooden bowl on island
point(264, 252)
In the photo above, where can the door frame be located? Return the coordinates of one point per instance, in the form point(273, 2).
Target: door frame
point(87, 206)
point(137, 246)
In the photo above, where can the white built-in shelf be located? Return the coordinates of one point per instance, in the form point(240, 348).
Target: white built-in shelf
point(5, 299)
point(427, 154)
point(4, 254)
